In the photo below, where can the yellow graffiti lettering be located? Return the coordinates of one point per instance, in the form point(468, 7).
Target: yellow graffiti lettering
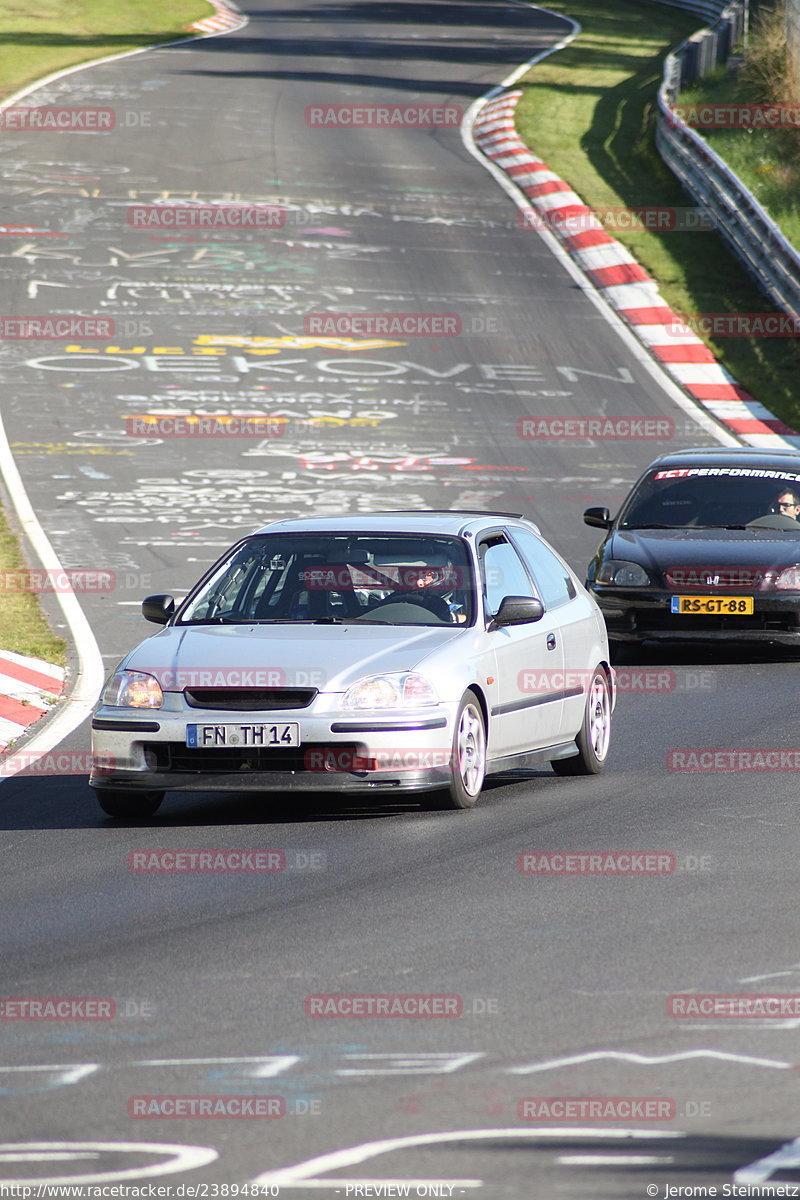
point(293, 342)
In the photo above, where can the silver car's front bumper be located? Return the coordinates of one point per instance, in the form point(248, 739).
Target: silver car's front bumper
point(145, 750)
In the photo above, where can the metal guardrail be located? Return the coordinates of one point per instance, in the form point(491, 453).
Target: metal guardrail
point(709, 9)
point(743, 222)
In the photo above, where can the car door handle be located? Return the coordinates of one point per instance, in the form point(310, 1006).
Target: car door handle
point(551, 641)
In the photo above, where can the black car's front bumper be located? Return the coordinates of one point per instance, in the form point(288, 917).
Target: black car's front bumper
point(643, 614)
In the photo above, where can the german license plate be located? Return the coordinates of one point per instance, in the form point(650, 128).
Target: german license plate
point(210, 736)
point(713, 606)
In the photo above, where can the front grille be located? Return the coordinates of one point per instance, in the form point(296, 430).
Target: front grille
point(249, 699)
point(752, 579)
point(310, 757)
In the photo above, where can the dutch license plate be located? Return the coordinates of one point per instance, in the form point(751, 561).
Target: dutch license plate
point(708, 606)
point(210, 736)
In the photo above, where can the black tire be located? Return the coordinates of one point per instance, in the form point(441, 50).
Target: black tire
point(467, 759)
point(118, 803)
point(593, 739)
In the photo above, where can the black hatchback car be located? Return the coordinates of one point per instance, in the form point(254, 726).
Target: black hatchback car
point(705, 547)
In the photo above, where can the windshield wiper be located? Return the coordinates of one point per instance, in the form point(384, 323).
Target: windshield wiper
point(213, 621)
point(654, 525)
point(293, 621)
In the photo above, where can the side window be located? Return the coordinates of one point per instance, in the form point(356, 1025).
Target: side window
point(504, 575)
point(554, 584)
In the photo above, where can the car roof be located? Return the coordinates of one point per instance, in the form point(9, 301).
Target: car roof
point(729, 456)
point(413, 521)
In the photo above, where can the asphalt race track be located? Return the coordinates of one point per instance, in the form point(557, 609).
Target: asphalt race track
point(562, 982)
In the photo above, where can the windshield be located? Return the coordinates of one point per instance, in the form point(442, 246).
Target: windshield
point(715, 498)
point(338, 578)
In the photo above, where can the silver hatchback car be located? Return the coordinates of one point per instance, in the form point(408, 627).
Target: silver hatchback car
point(382, 653)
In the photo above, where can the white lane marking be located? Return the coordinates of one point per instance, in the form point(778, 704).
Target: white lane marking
point(785, 1156)
point(303, 1174)
point(73, 1073)
point(772, 975)
point(183, 1158)
point(613, 1160)
point(395, 1062)
point(90, 674)
point(653, 368)
point(46, 1155)
point(264, 1066)
point(650, 1060)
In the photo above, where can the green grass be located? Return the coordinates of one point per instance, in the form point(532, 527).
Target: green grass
point(23, 627)
point(37, 38)
point(42, 36)
point(758, 156)
point(589, 112)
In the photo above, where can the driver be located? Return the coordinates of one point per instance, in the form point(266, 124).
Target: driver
point(429, 583)
point(787, 503)
point(434, 583)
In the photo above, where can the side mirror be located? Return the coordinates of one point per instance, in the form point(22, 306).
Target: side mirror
point(518, 610)
point(600, 518)
point(158, 609)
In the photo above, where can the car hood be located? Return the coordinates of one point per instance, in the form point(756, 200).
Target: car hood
point(327, 657)
point(706, 550)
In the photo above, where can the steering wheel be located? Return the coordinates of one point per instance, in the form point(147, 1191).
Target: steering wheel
point(434, 604)
point(775, 521)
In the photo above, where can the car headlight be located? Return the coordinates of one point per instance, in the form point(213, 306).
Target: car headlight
point(623, 574)
point(403, 690)
point(788, 580)
point(132, 689)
